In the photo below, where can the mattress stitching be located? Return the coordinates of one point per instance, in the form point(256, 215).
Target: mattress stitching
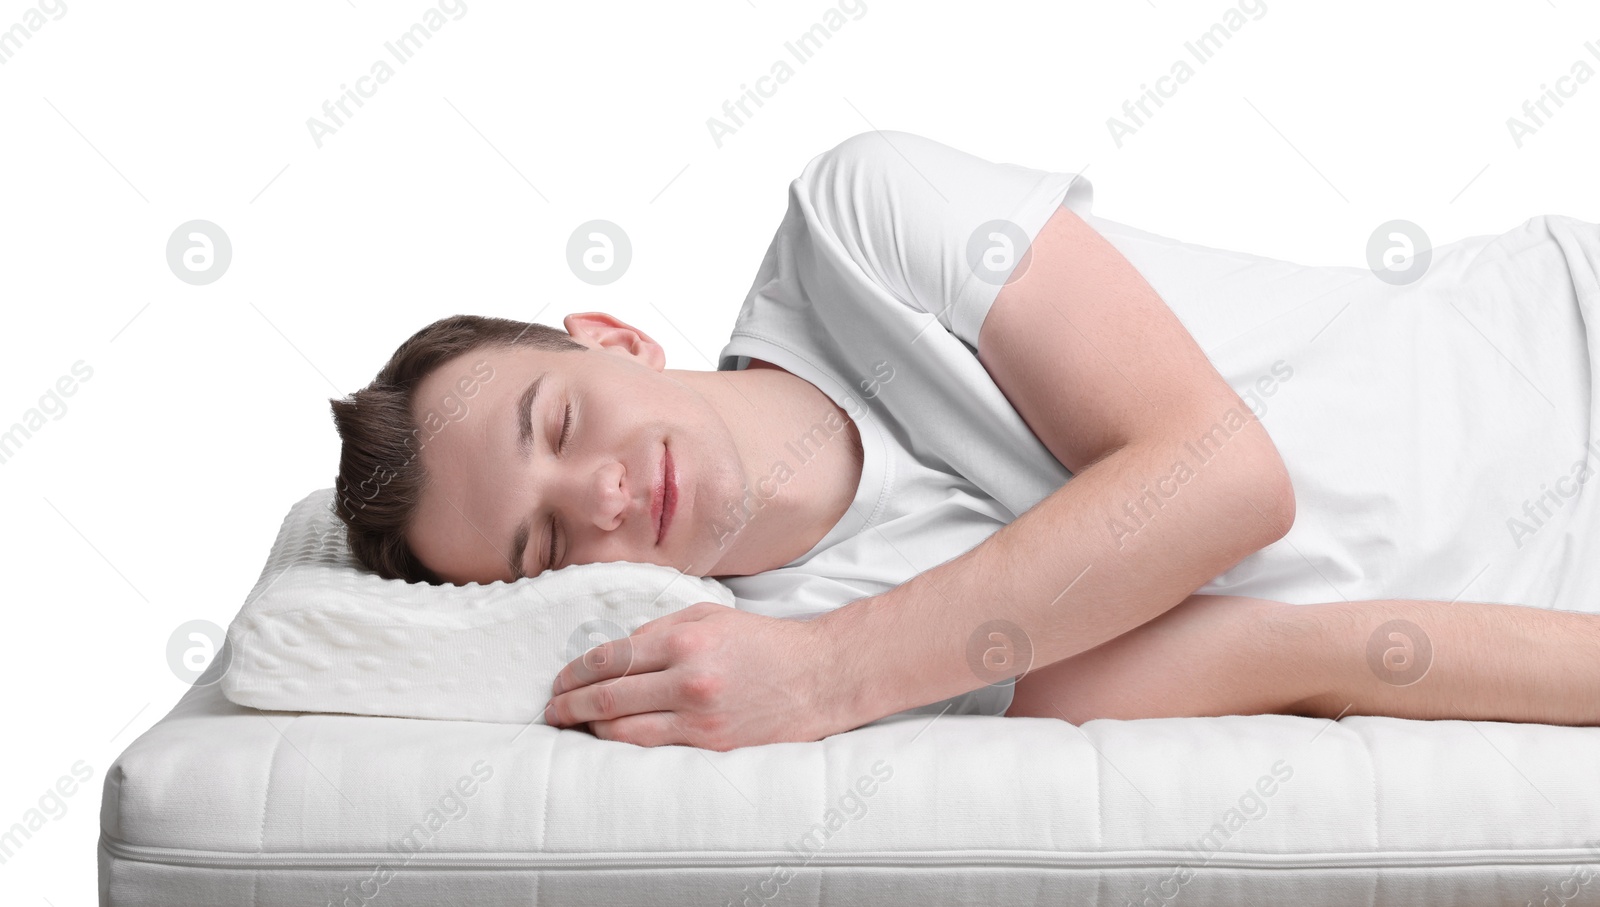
point(266, 800)
point(1366, 747)
point(544, 806)
point(1099, 809)
point(1493, 858)
point(824, 759)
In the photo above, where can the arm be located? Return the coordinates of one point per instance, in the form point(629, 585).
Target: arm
point(1230, 655)
point(1209, 655)
point(1110, 381)
point(1474, 661)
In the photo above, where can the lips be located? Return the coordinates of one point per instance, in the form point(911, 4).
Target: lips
point(666, 495)
point(658, 493)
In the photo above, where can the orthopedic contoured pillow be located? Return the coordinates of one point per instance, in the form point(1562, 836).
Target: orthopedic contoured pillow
point(320, 633)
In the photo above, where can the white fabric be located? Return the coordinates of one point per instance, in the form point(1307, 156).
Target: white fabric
point(1442, 387)
point(320, 634)
point(1440, 435)
point(219, 804)
point(866, 291)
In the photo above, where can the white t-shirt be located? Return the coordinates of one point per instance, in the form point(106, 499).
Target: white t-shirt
point(868, 291)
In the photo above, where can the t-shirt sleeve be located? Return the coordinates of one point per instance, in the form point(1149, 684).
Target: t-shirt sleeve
point(938, 228)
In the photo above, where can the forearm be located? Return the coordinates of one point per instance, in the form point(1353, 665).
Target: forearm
point(1099, 556)
point(1210, 655)
point(1463, 660)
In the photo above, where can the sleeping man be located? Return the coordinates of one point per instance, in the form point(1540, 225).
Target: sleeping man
point(957, 456)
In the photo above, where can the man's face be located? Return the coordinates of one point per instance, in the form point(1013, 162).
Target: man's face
point(595, 494)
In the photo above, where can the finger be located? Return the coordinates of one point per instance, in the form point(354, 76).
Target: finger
point(696, 611)
point(618, 660)
point(609, 700)
point(611, 659)
point(654, 729)
point(649, 729)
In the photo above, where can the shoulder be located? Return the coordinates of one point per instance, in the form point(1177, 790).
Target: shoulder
point(877, 181)
point(870, 159)
point(865, 148)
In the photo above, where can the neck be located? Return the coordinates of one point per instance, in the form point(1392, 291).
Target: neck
point(800, 468)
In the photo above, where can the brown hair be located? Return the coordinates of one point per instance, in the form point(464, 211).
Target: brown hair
point(380, 479)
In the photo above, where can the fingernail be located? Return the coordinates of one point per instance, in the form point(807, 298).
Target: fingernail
point(550, 714)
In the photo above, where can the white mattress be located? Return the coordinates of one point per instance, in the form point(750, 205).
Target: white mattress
point(1472, 389)
point(219, 804)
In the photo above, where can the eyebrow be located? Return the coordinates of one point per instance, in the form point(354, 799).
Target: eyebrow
point(519, 540)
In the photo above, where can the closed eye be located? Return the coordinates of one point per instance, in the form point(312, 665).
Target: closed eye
point(561, 446)
point(552, 561)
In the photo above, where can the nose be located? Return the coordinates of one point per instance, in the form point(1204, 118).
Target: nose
point(595, 501)
point(602, 500)
point(607, 497)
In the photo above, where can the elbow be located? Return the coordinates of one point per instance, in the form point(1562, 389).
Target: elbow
point(1255, 476)
point(1262, 481)
point(1279, 495)
point(1282, 499)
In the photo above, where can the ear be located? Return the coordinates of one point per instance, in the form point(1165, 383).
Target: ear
point(606, 332)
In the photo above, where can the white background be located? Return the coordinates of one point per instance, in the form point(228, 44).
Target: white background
point(154, 499)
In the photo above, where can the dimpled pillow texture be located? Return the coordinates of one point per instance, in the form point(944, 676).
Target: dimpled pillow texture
point(321, 633)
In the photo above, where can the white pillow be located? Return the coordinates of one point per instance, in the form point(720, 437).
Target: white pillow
point(321, 633)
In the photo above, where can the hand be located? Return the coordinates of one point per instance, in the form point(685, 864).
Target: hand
point(709, 676)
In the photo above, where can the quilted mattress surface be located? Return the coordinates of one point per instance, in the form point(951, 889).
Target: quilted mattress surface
point(221, 804)
point(1476, 391)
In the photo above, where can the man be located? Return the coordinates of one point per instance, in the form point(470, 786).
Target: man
point(933, 346)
